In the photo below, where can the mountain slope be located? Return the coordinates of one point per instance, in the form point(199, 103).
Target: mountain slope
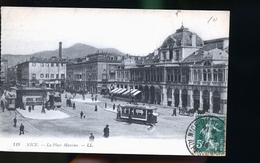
point(75, 51)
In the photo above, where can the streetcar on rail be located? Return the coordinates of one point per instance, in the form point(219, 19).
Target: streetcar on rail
point(54, 100)
point(10, 103)
point(137, 114)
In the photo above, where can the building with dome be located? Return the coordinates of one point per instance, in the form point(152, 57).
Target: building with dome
point(179, 45)
point(184, 72)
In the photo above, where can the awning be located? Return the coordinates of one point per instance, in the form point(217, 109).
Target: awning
point(114, 90)
point(134, 90)
point(137, 92)
point(126, 92)
point(121, 91)
point(118, 90)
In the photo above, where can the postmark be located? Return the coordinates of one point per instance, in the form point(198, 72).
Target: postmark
point(206, 136)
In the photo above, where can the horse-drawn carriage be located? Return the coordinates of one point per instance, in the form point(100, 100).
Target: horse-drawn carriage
point(188, 111)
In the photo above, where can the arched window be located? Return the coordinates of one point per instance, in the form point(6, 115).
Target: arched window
point(204, 75)
point(220, 75)
point(209, 75)
point(195, 75)
point(215, 75)
point(207, 63)
point(199, 75)
point(171, 53)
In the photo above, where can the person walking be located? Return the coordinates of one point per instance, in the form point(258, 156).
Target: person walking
point(21, 129)
point(106, 131)
point(95, 107)
point(96, 97)
point(174, 112)
point(92, 137)
point(30, 108)
point(74, 106)
point(114, 106)
point(105, 105)
point(81, 114)
point(15, 121)
point(130, 118)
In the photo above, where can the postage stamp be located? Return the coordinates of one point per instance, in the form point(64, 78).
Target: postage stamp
point(206, 136)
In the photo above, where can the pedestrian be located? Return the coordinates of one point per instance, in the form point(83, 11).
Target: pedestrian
point(81, 114)
point(74, 106)
point(92, 98)
point(65, 95)
point(130, 118)
point(95, 107)
point(114, 106)
point(21, 129)
point(15, 121)
point(96, 98)
point(30, 108)
point(106, 131)
point(105, 105)
point(92, 137)
point(174, 112)
point(118, 113)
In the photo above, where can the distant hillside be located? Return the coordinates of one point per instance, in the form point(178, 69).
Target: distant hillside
point(15, 59)
point(76, 51)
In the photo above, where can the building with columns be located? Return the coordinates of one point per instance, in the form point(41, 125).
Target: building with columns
point(184, 72)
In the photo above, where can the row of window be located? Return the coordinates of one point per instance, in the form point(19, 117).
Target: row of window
point(207, 75)
point(49, 76)
point(47, 64)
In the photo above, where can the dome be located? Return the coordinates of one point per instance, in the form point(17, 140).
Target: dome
point(182, 37)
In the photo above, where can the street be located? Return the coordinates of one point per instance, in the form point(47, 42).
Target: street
point(168, 127)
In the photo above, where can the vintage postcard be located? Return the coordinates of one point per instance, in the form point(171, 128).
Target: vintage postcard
point(115, 81)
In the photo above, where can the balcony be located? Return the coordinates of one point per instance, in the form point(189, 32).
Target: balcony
point(209, 83)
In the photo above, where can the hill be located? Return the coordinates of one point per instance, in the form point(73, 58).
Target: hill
point(75, 51)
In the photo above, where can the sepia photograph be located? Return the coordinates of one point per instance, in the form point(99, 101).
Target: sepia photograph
point(114, 81)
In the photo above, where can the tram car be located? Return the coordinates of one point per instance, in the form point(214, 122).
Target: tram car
point(10, 103)
point(137, 114)
point(55, 100)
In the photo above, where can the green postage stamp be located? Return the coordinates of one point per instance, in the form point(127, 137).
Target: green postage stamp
point(206, 136)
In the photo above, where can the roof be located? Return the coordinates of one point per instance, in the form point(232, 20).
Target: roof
point(149, 59)
point(200, 55)
point(140, 106)
point(182, 37)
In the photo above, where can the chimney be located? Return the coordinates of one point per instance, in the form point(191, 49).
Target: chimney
point(60, 50)
point(193, 40)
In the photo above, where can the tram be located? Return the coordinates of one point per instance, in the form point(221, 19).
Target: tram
point(137, 114)
point(10, 103)
point(55, 100)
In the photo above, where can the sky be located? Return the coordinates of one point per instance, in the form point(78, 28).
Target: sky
point(136, 32)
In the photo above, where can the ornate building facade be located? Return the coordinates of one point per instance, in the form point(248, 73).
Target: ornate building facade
point(184, 72)
point(94, 74)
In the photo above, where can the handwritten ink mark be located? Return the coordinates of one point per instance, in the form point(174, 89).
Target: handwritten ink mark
point(213, 19)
